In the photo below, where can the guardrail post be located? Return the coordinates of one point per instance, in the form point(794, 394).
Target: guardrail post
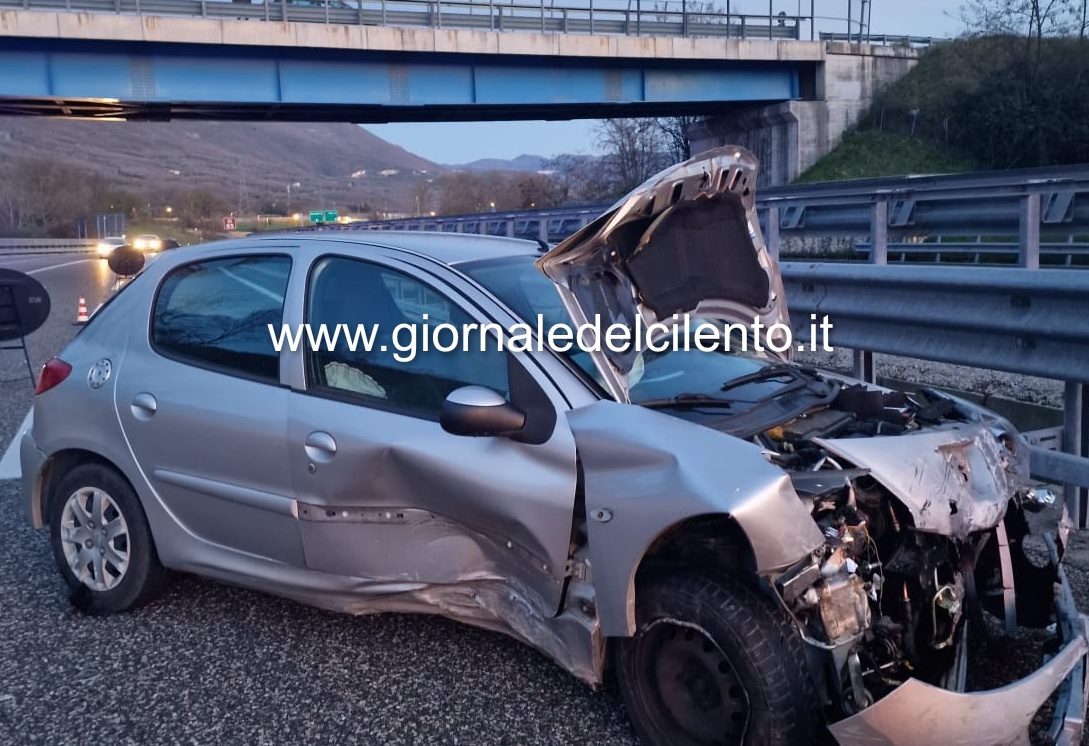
point(862, 360)
point(591, 16)
point(283, 10)
point(327, 12)
point(383, 12)
point(203, 9)
point(1076, 442)
point(638, 17)
point(542, 17)
point(1029, 253)
point(772, 236)
point(879, 232)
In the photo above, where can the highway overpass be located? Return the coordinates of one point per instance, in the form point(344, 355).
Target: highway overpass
point(334, 61)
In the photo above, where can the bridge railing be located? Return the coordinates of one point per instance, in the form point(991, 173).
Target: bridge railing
point(889, 40)
point(1019, 318)
point(635, 18)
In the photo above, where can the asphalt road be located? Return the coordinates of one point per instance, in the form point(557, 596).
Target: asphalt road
point(209, 663)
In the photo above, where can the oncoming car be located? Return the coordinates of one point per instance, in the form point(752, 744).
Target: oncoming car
point(147, 242)
point(756, 550)
point(105, 246)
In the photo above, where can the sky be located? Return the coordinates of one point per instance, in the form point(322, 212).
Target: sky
point(462, 142)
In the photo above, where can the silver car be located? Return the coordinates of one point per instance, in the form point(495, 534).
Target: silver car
point(754, 549)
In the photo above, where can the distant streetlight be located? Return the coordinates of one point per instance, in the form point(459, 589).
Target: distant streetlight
point(492, 205)
point(169, 210)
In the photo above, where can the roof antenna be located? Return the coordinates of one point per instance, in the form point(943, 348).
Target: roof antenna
point(543, 245)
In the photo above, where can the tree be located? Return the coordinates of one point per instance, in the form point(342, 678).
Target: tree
point(634, 150)
point(674, 131)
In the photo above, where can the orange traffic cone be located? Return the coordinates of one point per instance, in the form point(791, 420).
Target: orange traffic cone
point(82, 317)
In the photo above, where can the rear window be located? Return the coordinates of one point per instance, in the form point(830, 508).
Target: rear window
point(215, 314)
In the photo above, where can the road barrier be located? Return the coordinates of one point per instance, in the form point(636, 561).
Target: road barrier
point(623, 17)
point(46, 245)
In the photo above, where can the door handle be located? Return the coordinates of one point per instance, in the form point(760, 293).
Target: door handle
point(320, 446)
point(144, 406)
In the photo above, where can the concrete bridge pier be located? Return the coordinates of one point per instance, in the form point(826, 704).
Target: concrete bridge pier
point(791, 136)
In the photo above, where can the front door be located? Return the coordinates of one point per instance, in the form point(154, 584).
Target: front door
point(388, 496)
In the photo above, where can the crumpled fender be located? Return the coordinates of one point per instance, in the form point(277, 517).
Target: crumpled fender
point(645, 471)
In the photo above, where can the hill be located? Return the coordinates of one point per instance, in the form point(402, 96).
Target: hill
point(988, 102)
point(523, 162)
point(249, 164)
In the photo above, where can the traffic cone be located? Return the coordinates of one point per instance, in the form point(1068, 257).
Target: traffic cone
point(82, 317)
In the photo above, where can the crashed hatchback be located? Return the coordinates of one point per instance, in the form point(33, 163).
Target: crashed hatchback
point(755, 550)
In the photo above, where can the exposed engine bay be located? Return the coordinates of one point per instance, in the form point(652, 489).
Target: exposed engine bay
point(914, 525)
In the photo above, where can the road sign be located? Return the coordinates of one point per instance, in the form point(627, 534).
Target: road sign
point(317, 216)
point(24, 305)
point(330, 216)
point(229, 223)
point(127, 261)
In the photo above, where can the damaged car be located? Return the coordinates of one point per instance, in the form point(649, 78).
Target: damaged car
point(759, 552)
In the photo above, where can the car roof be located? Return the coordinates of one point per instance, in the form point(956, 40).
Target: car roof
point(448, 248)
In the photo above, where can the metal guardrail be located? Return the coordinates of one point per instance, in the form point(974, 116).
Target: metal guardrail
point(46, 245)
point(624, 17)
point(888, 40)
point(1007, 217)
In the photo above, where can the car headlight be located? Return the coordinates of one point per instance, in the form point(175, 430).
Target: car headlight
point(103, 248)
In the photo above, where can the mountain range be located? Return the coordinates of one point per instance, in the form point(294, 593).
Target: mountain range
point(259, 164)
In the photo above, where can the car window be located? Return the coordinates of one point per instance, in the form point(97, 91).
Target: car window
point(393, 308)
point(216, 314)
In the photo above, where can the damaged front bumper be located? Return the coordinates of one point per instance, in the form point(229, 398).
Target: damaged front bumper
point(919, 713)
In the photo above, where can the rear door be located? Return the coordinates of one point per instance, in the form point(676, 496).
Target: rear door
point(200, 402)
point(384, 493)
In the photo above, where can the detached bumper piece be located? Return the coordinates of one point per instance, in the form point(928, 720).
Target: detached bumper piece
point(917, 713)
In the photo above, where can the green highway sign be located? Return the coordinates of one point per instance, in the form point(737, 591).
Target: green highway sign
point(316, 216)
point(330, 216)
point(323, 216)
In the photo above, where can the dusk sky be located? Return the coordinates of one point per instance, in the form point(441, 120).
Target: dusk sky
point(460, 142)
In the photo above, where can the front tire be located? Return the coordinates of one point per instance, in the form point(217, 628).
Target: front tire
point(101, 541)
point(713, 663)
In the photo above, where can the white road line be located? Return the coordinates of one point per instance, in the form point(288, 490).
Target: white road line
point(57, 266)
point(9, 464)
point(253, 285)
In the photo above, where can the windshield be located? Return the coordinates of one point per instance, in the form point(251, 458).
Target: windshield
point(656, 376)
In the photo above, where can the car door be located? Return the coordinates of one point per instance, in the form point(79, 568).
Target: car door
point(201, 405)
point(388, 496)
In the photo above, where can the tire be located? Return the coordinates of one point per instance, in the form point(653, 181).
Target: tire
point(712, 662)
point(108, 585)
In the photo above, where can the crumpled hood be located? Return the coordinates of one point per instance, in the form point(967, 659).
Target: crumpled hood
point(685, 241)
point(955, 479)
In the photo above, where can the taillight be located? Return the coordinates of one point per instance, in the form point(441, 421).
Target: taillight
point(53, 372)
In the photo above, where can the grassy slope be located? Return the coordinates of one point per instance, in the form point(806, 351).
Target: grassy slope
point(880, 153)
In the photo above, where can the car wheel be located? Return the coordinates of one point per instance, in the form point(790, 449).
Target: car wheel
point(102, 542)
point(712, 662)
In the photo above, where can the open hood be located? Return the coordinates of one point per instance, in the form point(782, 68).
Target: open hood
point(686, 241)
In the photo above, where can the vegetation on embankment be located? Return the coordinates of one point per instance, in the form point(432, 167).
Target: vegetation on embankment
point(983, 103)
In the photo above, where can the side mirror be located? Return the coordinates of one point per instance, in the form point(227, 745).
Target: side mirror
point(479, 411)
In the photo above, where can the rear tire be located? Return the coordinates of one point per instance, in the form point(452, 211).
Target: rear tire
point(101, 541)
point(714, 663)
